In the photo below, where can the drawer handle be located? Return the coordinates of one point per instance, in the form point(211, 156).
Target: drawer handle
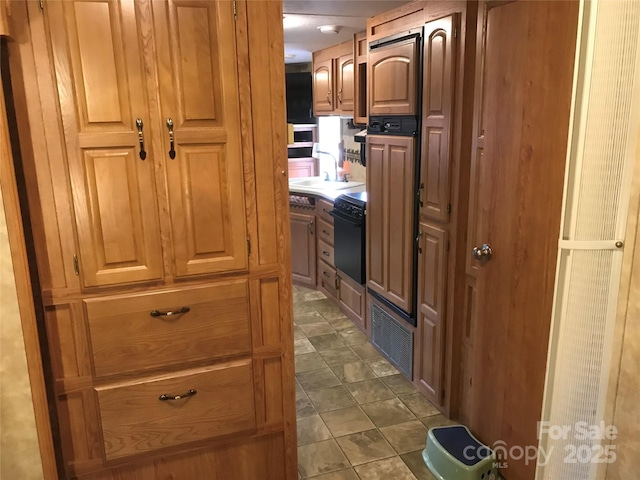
point(164, 396)
point(325, 274)
point(325, 232)
point(158, 313)
point(326, 254)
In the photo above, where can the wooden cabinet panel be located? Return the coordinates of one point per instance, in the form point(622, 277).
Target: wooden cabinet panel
point(199, 92)
point(302, 168)
point(303, 248)
point(327, 279)
point(119, 327)
point(432, 280)
point(113, 187)
point(322, 86)
point(390, 218)
point(325, 252)
point(135, 420)
point(392, 77)
point(325, 231)
point(323, 208)
point(437, 106)
point(345, 83)
point(351, 299)
point(360, 56)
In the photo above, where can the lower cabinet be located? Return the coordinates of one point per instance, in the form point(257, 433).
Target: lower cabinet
point(303, 248)
point(432, 279)
point(351, 299)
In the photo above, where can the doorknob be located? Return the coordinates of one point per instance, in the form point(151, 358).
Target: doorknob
point(482, 253)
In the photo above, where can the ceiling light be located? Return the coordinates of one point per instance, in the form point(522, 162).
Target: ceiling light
point(330, 29)
point(291, 21)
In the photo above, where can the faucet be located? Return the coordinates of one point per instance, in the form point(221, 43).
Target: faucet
point(344, 178)
point(335, 162)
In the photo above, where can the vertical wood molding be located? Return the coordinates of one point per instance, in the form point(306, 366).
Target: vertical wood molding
point(25, 298)
point(4, 18)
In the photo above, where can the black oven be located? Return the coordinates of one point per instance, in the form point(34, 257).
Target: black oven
point(349, 216)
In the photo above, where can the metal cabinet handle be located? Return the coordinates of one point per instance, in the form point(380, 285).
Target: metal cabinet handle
point(158, 313)
point(165, 396)
point(337, 282)
point(420, 189)
point(482, 253)
point(329, 97)
point(310, 227)
point(340, 95)
point(418, 241)
point(326, 254)
point(143, 153)
point(325, 232)
point(172, 151)
point(326, 274)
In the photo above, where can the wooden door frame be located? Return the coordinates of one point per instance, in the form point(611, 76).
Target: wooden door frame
point(24, 289)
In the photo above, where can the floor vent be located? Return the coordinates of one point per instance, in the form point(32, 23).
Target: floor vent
point(393, 339)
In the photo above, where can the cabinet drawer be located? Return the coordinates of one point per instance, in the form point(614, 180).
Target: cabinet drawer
point(325, 252)
point(134, 420)
point(126, 336)
point(325, 231)
point(323, 208)
point(327, 278)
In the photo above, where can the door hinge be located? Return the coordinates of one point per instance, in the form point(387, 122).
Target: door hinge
point(448, 208)
point(41, 5)
point(76, 265)
point(235, 10)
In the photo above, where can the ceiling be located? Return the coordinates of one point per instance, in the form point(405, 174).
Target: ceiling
point(303, 17)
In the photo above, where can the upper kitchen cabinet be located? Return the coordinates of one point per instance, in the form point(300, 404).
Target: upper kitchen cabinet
point(393, 75)
point(333, 80)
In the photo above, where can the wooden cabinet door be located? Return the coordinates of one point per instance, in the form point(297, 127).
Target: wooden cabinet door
point(195, 43)
point(351, 298)
point(390, 218)
point(302, 168)
point(522, 126)
point(345, 83)
point(323, 86)
point(437, 109)
point(393, 77)
point(432, 280)
point(101, 85)
point(303, 248)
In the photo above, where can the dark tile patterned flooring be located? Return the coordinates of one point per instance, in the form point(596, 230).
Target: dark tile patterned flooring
point(358, 418)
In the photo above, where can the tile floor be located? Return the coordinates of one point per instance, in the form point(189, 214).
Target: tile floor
point(358, 418)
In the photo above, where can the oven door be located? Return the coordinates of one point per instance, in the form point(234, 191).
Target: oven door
point(348, 245)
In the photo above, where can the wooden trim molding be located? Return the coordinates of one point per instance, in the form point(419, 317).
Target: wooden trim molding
point(25, 298)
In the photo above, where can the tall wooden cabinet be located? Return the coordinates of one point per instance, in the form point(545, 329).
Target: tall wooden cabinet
point(161, 233)
point(434, 203)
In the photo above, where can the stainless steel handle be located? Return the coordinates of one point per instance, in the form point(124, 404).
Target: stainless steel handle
point(172, 151)
point(143, 153)
point(158, 313)
point(310, 227)
point(340, 95)
point(165, 396)
point(420, 189)
point(329, 97)
point(482, 253)
point(326, 254)
point(337, 282)
point(418, 241)
point(326, 274)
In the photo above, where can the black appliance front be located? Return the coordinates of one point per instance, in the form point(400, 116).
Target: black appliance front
point(349, 235)
point(401, 126)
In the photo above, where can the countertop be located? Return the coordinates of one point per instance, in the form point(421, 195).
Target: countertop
point(323, 189)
